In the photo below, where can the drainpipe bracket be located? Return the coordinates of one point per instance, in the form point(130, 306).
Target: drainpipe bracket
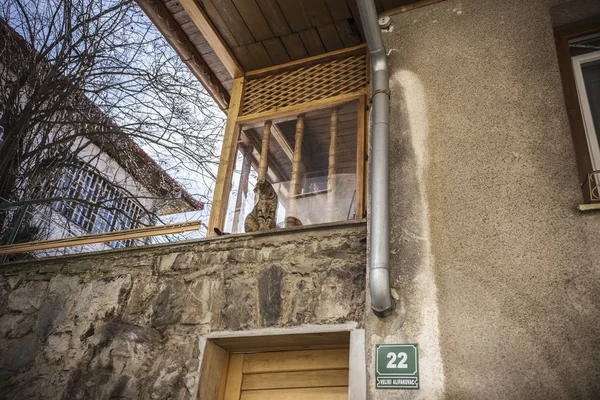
point(385, 91)
point(384, 22)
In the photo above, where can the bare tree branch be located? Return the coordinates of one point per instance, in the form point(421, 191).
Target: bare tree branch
point(81, 79)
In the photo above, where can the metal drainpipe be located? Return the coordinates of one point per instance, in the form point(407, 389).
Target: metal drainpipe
point(379, 273)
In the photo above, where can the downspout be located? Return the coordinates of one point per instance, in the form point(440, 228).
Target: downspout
point(379, 273)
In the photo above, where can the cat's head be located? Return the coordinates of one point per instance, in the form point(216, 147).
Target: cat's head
point(264, 189)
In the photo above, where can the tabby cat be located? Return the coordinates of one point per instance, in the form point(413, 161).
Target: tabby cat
point(262, 217)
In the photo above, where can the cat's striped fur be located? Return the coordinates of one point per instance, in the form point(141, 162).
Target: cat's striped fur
point(263, 216)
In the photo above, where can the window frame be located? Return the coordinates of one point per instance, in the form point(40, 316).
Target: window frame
point(562, 36)
point(590, 130)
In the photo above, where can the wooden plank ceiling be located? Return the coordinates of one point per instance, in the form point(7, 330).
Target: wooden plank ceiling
point(263, 33)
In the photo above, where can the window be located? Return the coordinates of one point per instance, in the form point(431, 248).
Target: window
point(586, 68)
point(302, 128)
point(579, 60)
point(311, 164)
point(97, 206)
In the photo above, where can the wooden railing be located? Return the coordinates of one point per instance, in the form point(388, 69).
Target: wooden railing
point(101, 237)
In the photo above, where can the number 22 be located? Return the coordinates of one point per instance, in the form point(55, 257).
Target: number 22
point(401, 362)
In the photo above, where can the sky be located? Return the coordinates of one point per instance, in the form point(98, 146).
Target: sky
point(206, 117)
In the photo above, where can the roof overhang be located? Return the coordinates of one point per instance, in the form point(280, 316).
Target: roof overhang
point(220, 40)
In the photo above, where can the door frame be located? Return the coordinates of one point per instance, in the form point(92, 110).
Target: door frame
point(216, 347)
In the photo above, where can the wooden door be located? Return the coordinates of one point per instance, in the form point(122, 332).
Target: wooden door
point(283, 375)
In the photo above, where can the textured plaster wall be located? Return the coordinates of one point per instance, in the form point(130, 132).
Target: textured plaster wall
point(127, 324)
point(496, 275)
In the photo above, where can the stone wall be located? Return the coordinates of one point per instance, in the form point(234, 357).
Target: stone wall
point(127, 324)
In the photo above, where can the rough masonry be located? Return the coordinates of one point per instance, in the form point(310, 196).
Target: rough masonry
point(127, 324)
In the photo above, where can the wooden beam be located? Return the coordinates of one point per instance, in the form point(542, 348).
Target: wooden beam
point(303, 108)
point(212, 36)
point(100, 237)
point(223, 379)
point(319, 113)
point(274, 173)
point(296, 173)
point(277, 120)
point(331, 167)
point(409, 7)
point(179, 41)
point(283, 342)
point(302, 360)
point(279, 137)
point(307, 62)
point(215, 361)
point(321, 393)
point(264, 152)
point(295, 379)
point(240, 201)
point(233, 387)
point(297, 160)
point(227, 162)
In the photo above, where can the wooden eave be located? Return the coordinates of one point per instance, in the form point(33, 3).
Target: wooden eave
point(190, 46)
point(221, 40)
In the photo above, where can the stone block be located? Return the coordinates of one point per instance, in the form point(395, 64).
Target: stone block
point(167, 306)
point(102, 297)
point(13, 282)
point(165, 382)
point(104, 385)
point(240, 311)
point(4, 293)
point(340, 295)
point(14, 326)
point(138, 309)
point(63, 285)
point(21, 354)
point(117, 364)
point(185, 261)
point(280, 252)
point(28, 297)
point(174, 262)
point(299, 298)
point(204, 300)
point(57, 347)
point(127, 348)
point(164, 263)
point(51, 315)
point(269, 295)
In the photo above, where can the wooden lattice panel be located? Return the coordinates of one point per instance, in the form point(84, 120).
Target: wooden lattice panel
point(304, 85)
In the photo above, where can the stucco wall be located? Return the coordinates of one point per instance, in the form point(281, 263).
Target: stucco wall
point(496, 275)
point(127, 324)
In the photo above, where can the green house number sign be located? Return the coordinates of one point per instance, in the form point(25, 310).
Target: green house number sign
point(397, 366)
